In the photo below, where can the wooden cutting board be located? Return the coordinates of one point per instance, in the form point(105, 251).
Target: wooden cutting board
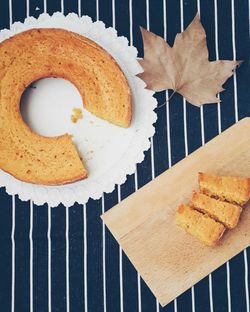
point(169, 260)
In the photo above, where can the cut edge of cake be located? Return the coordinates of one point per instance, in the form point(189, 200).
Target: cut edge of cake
point(199, 225)
point(226, 213)
point(226, 188)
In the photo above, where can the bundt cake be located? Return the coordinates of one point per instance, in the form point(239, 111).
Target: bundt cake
point(40, 53)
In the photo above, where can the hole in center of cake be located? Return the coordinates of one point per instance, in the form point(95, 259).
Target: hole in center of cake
point(47, 104)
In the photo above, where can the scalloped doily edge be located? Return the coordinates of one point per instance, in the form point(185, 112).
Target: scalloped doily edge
point(126, 56)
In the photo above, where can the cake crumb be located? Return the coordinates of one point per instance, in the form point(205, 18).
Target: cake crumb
point(77, 114)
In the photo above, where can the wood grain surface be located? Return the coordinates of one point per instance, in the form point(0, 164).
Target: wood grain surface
point(169, 260)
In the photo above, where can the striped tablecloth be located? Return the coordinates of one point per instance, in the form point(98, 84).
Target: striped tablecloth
point(64, 259)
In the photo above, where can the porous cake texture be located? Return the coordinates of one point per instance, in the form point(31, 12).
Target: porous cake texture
point(231, 189)
point(216, 207)
point(40, 53)
point(224, 212)
point(199, 225)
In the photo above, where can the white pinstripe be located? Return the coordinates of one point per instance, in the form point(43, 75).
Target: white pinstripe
point(45, 6)
point(131, 22)
point(135, 174)
point(228, 288)
point(234, 58)
point(119, 200)
point(185, 126)
point(236, 119)
point(31, 217)
point(139, 291)
point(249, 16)
point(168, 133)
point(85, 259)
point(104, 259)
point(79, 8)
point(49, 227)
point(49, 258)
point(120, 260)
point(113, 13)
point(147, 14)
point(10, 13)
point(85, 225)
point(202, 125)
point(186, 138)
point(151, 139)
point(62, 6)
point(67, 260)
point(217, 56)
point(199, 7)
point(138, 275)
point(211, 293)
point(13, 216)
point(27, 8)
point(103, 210)
point(169, 156)
point(203, 142)
point(219, 128)
point(167, 113)
point(201, 108)
point(184, 101)
point(167, 93)
point(66, 235)
point(246, 281)
point(121, 277)
point(193, 299)
point(31, 256)
point(97, 10)
point(175, 305)
point(13, 254)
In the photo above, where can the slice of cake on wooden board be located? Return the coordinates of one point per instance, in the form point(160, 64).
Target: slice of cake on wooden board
point(144, 224)
point(199, 225)
point(210, 205)
point(224, 212)
point(231, 189)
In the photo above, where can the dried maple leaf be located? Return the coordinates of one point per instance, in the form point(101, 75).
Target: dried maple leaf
point(185, 67)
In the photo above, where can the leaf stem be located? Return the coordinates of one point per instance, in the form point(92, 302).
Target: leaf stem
point(167, 100)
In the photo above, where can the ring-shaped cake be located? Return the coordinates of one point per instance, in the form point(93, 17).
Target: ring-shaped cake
point(40, 53)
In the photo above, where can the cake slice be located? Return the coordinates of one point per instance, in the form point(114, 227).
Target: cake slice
point(224, 212)
point(199, 225)
point(232, 189)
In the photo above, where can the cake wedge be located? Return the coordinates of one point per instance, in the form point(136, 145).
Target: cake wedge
point(199, 225)
point(224, 212)
point(232, 189)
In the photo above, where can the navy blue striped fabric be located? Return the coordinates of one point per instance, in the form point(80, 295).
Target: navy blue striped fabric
point(77, 265)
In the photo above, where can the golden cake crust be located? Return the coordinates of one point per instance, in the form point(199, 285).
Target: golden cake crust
point(232, 189)
point(201, 226)
point(224, 212)
point(40, 53)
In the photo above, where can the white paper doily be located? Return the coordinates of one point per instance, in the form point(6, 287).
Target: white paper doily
point(110, 152)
